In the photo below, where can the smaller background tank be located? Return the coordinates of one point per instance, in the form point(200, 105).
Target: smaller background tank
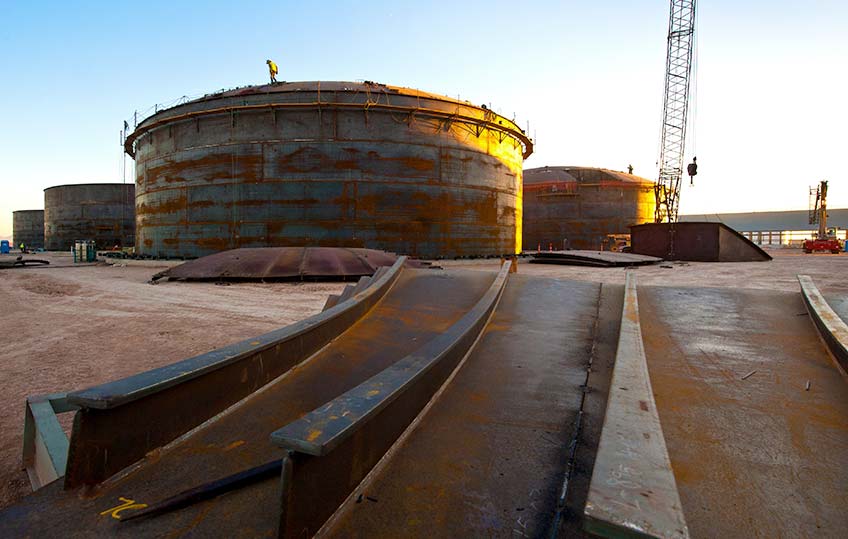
point(578, 207)
point(28, 228)
point(103, 212)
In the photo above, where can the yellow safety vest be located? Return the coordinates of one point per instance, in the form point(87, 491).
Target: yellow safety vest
point(273, 67)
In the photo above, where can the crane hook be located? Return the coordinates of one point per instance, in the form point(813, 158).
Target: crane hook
point(692, 169)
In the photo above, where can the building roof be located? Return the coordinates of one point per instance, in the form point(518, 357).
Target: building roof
point(771, 220)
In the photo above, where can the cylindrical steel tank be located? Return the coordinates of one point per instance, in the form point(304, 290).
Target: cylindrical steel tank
point(578, 207)
point(103, 212)
point(28, 228)
point(328, 164)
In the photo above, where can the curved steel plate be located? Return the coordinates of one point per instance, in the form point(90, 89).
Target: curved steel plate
point(281, 263)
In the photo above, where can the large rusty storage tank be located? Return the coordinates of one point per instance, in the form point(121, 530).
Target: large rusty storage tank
point(328, 164)
point(103, 212)
point(577, 207)
point(28, 228)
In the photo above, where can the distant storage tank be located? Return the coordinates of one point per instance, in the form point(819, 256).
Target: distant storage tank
point(103, 212)
point(577, 207)
point(328, 164)
point(28, 228)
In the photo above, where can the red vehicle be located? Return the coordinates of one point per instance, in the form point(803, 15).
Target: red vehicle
point(827, 244)
point(826, 238)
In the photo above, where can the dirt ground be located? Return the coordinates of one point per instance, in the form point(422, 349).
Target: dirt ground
point(68, 327)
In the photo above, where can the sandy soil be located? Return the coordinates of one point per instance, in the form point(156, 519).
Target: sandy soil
point(66, 328)
point(829, 271)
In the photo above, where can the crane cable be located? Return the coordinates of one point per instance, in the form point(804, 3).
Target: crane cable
point(692, 125)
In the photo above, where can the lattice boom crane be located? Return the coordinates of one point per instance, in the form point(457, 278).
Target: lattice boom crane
point(678, 67)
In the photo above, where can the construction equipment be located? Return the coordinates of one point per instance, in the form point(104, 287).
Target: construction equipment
point(826, 238)
point(617, 243)
point(678, 67)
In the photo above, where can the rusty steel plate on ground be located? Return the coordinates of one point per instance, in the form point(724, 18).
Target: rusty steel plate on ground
point(420, 306)
point(281, 263)
point(604, 259)
point(747, 441)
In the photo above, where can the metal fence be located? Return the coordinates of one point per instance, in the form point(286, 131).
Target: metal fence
point(785, 238)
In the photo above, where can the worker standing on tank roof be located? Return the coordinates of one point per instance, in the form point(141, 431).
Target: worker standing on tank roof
point(272, 67)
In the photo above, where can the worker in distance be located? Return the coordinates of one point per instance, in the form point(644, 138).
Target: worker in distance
point(272, 68)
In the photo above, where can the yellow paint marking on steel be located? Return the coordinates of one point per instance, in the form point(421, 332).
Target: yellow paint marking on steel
point(314, 434)
point(115, 512)
point(235, 444)
point(372, 393)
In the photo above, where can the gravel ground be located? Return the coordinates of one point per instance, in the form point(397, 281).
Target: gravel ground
point(66, 328)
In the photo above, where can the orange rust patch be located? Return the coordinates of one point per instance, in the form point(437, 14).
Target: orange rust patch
point(233, 445)
point(168, 206)
point(246, 167)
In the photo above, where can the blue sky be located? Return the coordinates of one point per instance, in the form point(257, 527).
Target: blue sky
point(588, 76)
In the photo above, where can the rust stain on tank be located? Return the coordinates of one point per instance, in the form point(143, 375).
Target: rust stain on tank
point(168, 206)
point(218, 166)
point(306, 159)
point(445, 183)
point(218, 244)
point(280, 201)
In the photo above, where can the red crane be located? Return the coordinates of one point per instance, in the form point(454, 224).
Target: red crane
point(825, 239)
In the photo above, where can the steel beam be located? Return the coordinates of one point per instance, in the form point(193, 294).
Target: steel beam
point(331, 449)
point(45, 450)
point(119, 422)
point(633, 492)
point(831, 327)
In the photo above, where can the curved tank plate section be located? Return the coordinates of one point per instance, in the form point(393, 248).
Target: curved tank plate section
point(578, 207)
point(103, 212)
point(329, 164)
point(28, 228)
point(282, 263)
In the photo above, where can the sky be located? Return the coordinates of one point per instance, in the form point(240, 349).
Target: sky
point(767, 120)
